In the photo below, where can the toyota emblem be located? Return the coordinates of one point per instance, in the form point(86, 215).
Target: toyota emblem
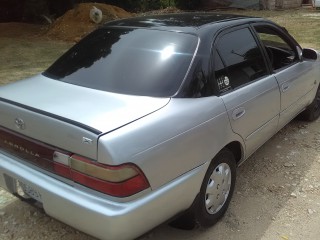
point(20, 123)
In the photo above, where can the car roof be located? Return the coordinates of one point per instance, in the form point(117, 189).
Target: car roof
point(185, 22)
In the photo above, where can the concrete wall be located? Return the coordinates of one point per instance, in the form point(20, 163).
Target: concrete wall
point(281, 4)
point(265, 4)
point(291, 3)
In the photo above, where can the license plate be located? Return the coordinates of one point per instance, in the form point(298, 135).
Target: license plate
point(29, 191)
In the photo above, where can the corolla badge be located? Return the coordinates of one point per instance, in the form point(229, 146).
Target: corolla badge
point(20, 123)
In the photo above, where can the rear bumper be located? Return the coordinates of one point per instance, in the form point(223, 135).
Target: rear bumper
point(101, 217)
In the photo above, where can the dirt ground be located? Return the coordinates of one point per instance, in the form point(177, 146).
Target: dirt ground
point(277, 195)
point(76, 23)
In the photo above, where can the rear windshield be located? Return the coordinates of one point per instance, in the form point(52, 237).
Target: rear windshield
point(130, 61)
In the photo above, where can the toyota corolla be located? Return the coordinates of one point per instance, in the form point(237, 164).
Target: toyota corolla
point(146, 119)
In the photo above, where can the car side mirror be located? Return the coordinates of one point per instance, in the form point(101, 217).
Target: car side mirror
point(299, 50)
point(309, 54)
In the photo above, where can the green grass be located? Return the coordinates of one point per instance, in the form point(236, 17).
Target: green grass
point(22, 58)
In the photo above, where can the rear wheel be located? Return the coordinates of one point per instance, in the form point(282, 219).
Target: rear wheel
point(312, 112)
point(216, 190)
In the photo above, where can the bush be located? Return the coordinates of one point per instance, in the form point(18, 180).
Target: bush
point(167, 3)
point(140, 5)
point(188, 4)
point(11, 10)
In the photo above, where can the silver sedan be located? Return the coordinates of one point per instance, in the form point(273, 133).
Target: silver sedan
point(146, 119)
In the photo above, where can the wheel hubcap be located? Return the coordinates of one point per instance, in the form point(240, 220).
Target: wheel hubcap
point(218, 188)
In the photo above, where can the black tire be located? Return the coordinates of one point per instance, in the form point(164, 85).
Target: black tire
point(312, 112)
point(204, 215)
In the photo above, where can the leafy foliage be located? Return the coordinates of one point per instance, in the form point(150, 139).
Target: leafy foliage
point(141, 5)
point(188, 4)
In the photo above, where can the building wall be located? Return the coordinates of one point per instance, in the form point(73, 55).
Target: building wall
point(265, 4)
point(283, 4)
point(291, 3)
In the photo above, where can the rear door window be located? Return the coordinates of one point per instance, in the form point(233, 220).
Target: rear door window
point(242, 58)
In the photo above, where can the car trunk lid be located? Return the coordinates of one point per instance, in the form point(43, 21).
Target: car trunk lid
point(67, 116)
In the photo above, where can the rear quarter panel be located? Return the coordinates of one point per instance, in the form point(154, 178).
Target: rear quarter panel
point(172, 141)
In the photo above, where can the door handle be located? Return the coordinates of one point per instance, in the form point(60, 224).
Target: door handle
point(285, 87)
point(238, 113)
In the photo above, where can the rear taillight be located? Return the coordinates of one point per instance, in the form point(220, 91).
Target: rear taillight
point(119, 181)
